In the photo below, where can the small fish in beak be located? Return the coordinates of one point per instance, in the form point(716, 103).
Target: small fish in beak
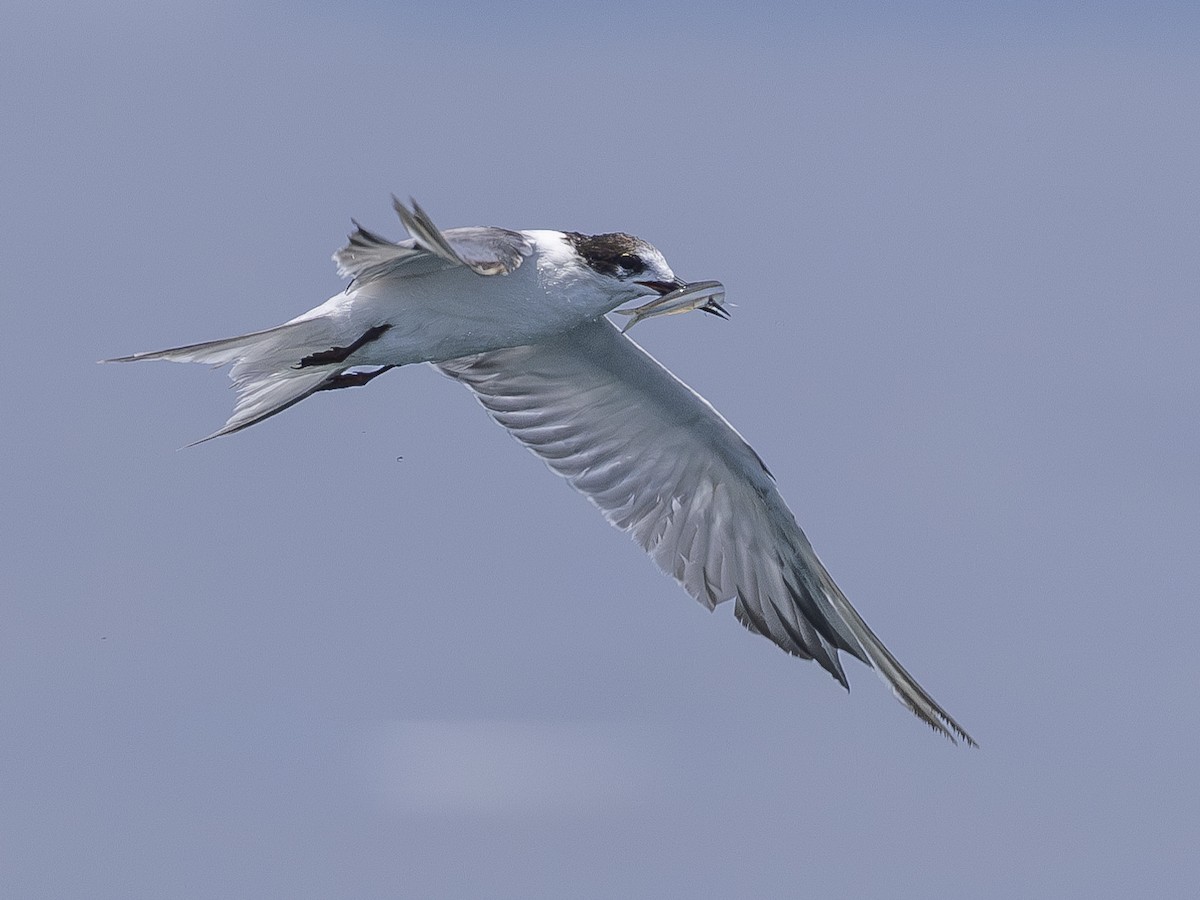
point(678, 297)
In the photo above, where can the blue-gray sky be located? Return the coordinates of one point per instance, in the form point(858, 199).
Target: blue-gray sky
point(371, 648)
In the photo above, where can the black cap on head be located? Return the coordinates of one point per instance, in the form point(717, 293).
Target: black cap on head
point(614, 254)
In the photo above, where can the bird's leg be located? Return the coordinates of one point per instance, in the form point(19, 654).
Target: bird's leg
point(351, 379)
point(341, 354)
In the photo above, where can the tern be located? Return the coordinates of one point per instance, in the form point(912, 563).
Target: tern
point(521, 319)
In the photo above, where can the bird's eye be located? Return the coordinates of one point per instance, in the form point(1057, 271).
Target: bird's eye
point(631, 263)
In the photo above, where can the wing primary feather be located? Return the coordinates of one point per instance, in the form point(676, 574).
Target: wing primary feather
point(828, 623)
point(902, 684)
point(424, 232)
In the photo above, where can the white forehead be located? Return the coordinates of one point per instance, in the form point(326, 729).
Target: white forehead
point(656, 263)
point(653, 258)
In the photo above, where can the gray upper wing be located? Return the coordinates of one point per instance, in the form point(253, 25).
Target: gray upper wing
point(663, 465)
point(484, 250)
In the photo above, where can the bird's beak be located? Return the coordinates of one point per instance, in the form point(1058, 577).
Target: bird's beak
point(676, 297)
point(663, 287)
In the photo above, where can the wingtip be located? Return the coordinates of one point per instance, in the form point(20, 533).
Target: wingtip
point(417, 210)
point(946, 726)
point(405, 212)
point(198, 442)
point(952, 728)
point(964, 737)
point(840, 677)
point(413, 210)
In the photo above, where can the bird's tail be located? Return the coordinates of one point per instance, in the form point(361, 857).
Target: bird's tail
point(272, 369)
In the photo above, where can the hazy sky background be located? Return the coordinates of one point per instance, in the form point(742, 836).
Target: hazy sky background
point(371, 648)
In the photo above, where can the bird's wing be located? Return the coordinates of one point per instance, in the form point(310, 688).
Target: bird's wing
point(663, 465)
point(486, 251)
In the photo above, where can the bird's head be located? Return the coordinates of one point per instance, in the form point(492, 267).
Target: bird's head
point(600, 272)
point(621, 265)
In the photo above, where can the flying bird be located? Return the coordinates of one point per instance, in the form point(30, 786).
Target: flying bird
point(521, 319)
